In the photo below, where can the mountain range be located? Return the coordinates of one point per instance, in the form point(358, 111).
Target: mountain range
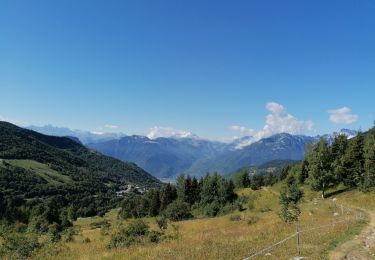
point(166, 157)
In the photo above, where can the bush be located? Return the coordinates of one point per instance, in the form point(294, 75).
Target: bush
point(227, 208)
point(69, 235)
point(251, 201)
point(174, 234)
point(212, 209)
point(132, 233)
point(137, 228)
point(178, 210)
point(53, 233)
point(120, 239)
point(19, 246)
point(38, 224)
point(162, 222)
point(154, 236)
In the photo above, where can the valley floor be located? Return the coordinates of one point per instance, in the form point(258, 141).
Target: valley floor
point(235, 236)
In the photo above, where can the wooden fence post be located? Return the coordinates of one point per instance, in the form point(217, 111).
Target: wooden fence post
point(298, 241)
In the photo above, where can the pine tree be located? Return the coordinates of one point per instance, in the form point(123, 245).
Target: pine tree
point(338, 150)
point(2, 205)
point(304, 174)
point(167, 195)
point(154, 202)
point(242, 179)
point(320, 173)
point(290, 197)
point(369, 165)
point(353, 163)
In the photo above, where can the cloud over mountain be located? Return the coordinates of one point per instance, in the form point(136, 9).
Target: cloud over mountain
point(342, 115)
point(277, 121)
point(158, 131)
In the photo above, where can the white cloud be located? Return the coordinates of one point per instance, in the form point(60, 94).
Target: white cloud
point(97, 132)
point(277, 121)
point(111, 126)
point(342, 115)
point(241, 129)
point(158, 131)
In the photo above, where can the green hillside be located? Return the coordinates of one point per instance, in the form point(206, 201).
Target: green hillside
point(35, 168)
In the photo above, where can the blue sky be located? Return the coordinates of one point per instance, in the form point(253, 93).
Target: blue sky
point(200, 66)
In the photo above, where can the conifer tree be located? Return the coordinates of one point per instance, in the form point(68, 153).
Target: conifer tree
point(304, 174)
point(290, 196)
point(320, 174)
point(167, 195)
point(369, 156)
point(353, 163)
point(338, 150)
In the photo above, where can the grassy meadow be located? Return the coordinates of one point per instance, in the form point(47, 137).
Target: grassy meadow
point(233, 236)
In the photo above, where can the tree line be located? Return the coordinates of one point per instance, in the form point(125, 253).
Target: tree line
point(350, 162)
point(210, 196)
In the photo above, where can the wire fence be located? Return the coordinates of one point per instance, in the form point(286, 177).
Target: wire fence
point(349, 214)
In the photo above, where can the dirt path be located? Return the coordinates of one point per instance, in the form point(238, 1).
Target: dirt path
point(361, 247)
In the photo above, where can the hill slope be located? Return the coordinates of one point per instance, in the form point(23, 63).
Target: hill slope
point(36, 167)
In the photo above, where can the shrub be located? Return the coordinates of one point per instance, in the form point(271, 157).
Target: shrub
point(132, 233)
point(251, 201)
point(69, 235)
point(19, 246)
point(227, 208)
point(137, 228)
point(212, 209)
point(53, 233)
point(174, 234)
point(178, 210)
point(154, 236)
point(162, 222)
point(120, 239)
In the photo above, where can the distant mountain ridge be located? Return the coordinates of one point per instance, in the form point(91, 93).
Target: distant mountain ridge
point(166, 157)
point(163, 157)
point(84, 136)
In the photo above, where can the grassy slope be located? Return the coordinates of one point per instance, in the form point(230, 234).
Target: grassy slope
point(221, 238)
point(42, 170)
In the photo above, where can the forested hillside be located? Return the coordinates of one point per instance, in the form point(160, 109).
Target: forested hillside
point(38, 170)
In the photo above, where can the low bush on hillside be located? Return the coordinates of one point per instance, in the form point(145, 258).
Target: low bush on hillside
point(19, 246)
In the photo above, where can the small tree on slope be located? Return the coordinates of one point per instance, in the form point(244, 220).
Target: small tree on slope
point(290, 197)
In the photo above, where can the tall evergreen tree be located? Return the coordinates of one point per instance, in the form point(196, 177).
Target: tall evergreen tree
point(242, 179)
point(2, 205)
point(182, 186)
point(320, 174)
point(167, 195)
point(354, 162)
point(304, 174)
point(338, 150)
point(369, 156)
point(154, 202)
